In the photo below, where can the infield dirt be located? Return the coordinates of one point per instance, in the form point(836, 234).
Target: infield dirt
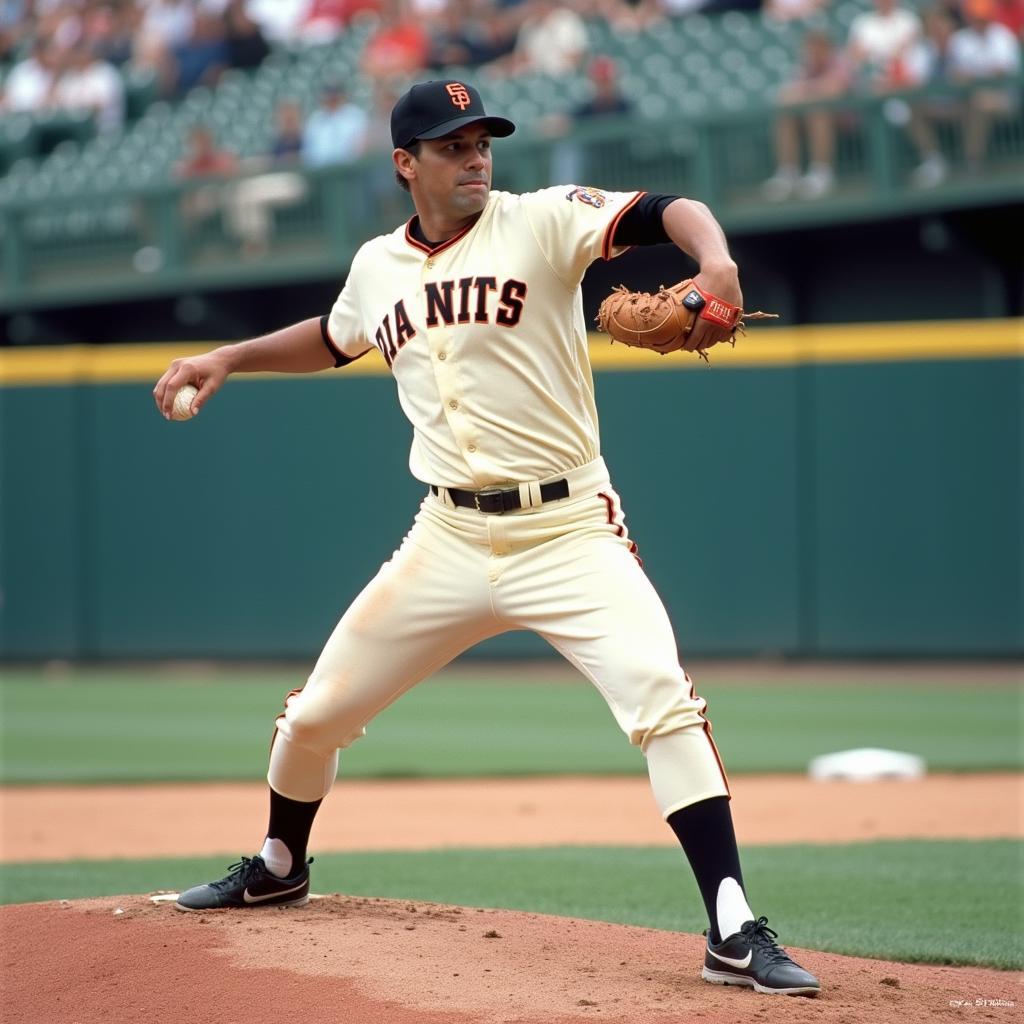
point(123, 960)
point(362, 961)
point(55, 823)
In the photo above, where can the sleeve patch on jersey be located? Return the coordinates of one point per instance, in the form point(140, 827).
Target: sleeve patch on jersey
point(587, 194)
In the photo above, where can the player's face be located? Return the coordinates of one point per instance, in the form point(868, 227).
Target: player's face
point(453, 174)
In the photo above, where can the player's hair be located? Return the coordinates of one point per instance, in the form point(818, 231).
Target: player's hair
point(414, 147)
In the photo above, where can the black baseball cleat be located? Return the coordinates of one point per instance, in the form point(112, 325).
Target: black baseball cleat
point(249, 884)
point(753, 958)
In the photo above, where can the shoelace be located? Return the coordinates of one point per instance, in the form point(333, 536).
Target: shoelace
point(759, 934)
point(244, 871)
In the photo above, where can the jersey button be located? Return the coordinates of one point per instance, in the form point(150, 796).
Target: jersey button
point(453, 404)
point(430, 264)
point(442, 356)
point(470, 447)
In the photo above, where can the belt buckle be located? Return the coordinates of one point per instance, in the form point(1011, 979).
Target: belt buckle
point(485, 492)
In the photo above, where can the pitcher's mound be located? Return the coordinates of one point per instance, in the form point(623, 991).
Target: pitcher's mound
point(367, 961)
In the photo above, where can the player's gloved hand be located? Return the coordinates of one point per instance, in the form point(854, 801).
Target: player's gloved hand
point(686, 316)
point(721, 282)
point(206, 372)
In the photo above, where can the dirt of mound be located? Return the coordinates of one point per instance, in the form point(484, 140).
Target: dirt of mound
point(381, 962)
point(358, 961)
point(95, 822)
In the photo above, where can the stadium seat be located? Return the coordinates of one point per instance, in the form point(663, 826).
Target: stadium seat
point(140, 91)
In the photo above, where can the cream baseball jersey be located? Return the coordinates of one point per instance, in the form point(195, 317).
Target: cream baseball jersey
point(485, 334)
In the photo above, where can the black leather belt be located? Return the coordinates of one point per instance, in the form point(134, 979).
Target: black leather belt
point(494, 500)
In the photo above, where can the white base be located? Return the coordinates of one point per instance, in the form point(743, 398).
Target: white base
point(866, 764)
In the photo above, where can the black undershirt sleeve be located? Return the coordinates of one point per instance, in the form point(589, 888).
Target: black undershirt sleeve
point(641, 223)
point(340, 359)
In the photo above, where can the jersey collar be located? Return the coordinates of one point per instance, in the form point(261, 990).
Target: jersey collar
point(411, 239)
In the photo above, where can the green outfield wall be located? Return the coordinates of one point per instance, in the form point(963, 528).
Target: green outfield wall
point(827, 492)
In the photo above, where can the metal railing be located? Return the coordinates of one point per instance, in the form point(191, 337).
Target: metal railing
point(98, 243)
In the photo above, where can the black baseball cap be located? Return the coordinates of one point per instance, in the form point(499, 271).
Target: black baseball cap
point(432, 109)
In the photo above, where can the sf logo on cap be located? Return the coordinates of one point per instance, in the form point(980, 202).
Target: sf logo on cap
point(459, 96)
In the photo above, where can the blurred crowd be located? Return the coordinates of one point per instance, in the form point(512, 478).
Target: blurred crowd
point(75, 54)
point(191, 42)
point(965, 53)
point(78, 54)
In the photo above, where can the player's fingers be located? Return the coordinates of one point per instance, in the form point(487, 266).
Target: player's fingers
point(210, 386)
point(175, 378)
point(704, 335)
point(160, 388)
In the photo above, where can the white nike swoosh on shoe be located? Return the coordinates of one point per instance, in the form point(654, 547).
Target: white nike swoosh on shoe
point(745, 962)
point(247, 898)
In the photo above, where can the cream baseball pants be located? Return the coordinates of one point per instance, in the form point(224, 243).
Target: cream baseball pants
point(565, 570)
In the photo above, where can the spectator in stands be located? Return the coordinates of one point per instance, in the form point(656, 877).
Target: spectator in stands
point(385, 203)
point(979, 55)
point(202, 58)
point(169, 20)
point(497, 28)
point(31, 84)
point(336, 132)
point(61, 22)
point(824, 74)
point(325, 20)
point(287, 145)
point(721, 6)
point(15, 28)
point(551, 41)
point(280, 21)
point(90, 84)
point(928, 65)
point(427, 11)
point(275, 185)
point(164, 26)
point(791, 10)
point(629, 15)
point(569, 157)
point(203, 157)
point(400, 46)
point(452, 38)
point(469, 34)
point(246, 47)
point(952, 10)
point(878, 43)
point(1011, 14)
point(681, 8)
point(109, 28)
point(606, 99)
point(378, 131)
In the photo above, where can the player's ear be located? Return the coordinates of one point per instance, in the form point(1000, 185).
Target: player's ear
point(404, 164)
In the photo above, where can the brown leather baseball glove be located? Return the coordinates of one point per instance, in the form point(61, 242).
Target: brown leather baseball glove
point(663, 321)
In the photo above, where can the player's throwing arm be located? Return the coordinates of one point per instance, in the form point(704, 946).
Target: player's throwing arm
point(299, 348)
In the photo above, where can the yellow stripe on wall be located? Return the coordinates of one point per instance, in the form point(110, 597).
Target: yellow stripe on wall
point(120, 364)
point(792, 346)
point(838, 343)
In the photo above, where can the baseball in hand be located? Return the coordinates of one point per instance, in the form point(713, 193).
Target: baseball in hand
point(183, 403)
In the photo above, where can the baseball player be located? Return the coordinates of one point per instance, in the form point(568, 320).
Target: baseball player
point(476, 306)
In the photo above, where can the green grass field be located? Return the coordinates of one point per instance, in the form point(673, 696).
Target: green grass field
point(928, 901)
point(936, 902)
point(125, 726)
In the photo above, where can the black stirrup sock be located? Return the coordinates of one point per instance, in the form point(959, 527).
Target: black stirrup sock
point(706, 833)
point(291, 822)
